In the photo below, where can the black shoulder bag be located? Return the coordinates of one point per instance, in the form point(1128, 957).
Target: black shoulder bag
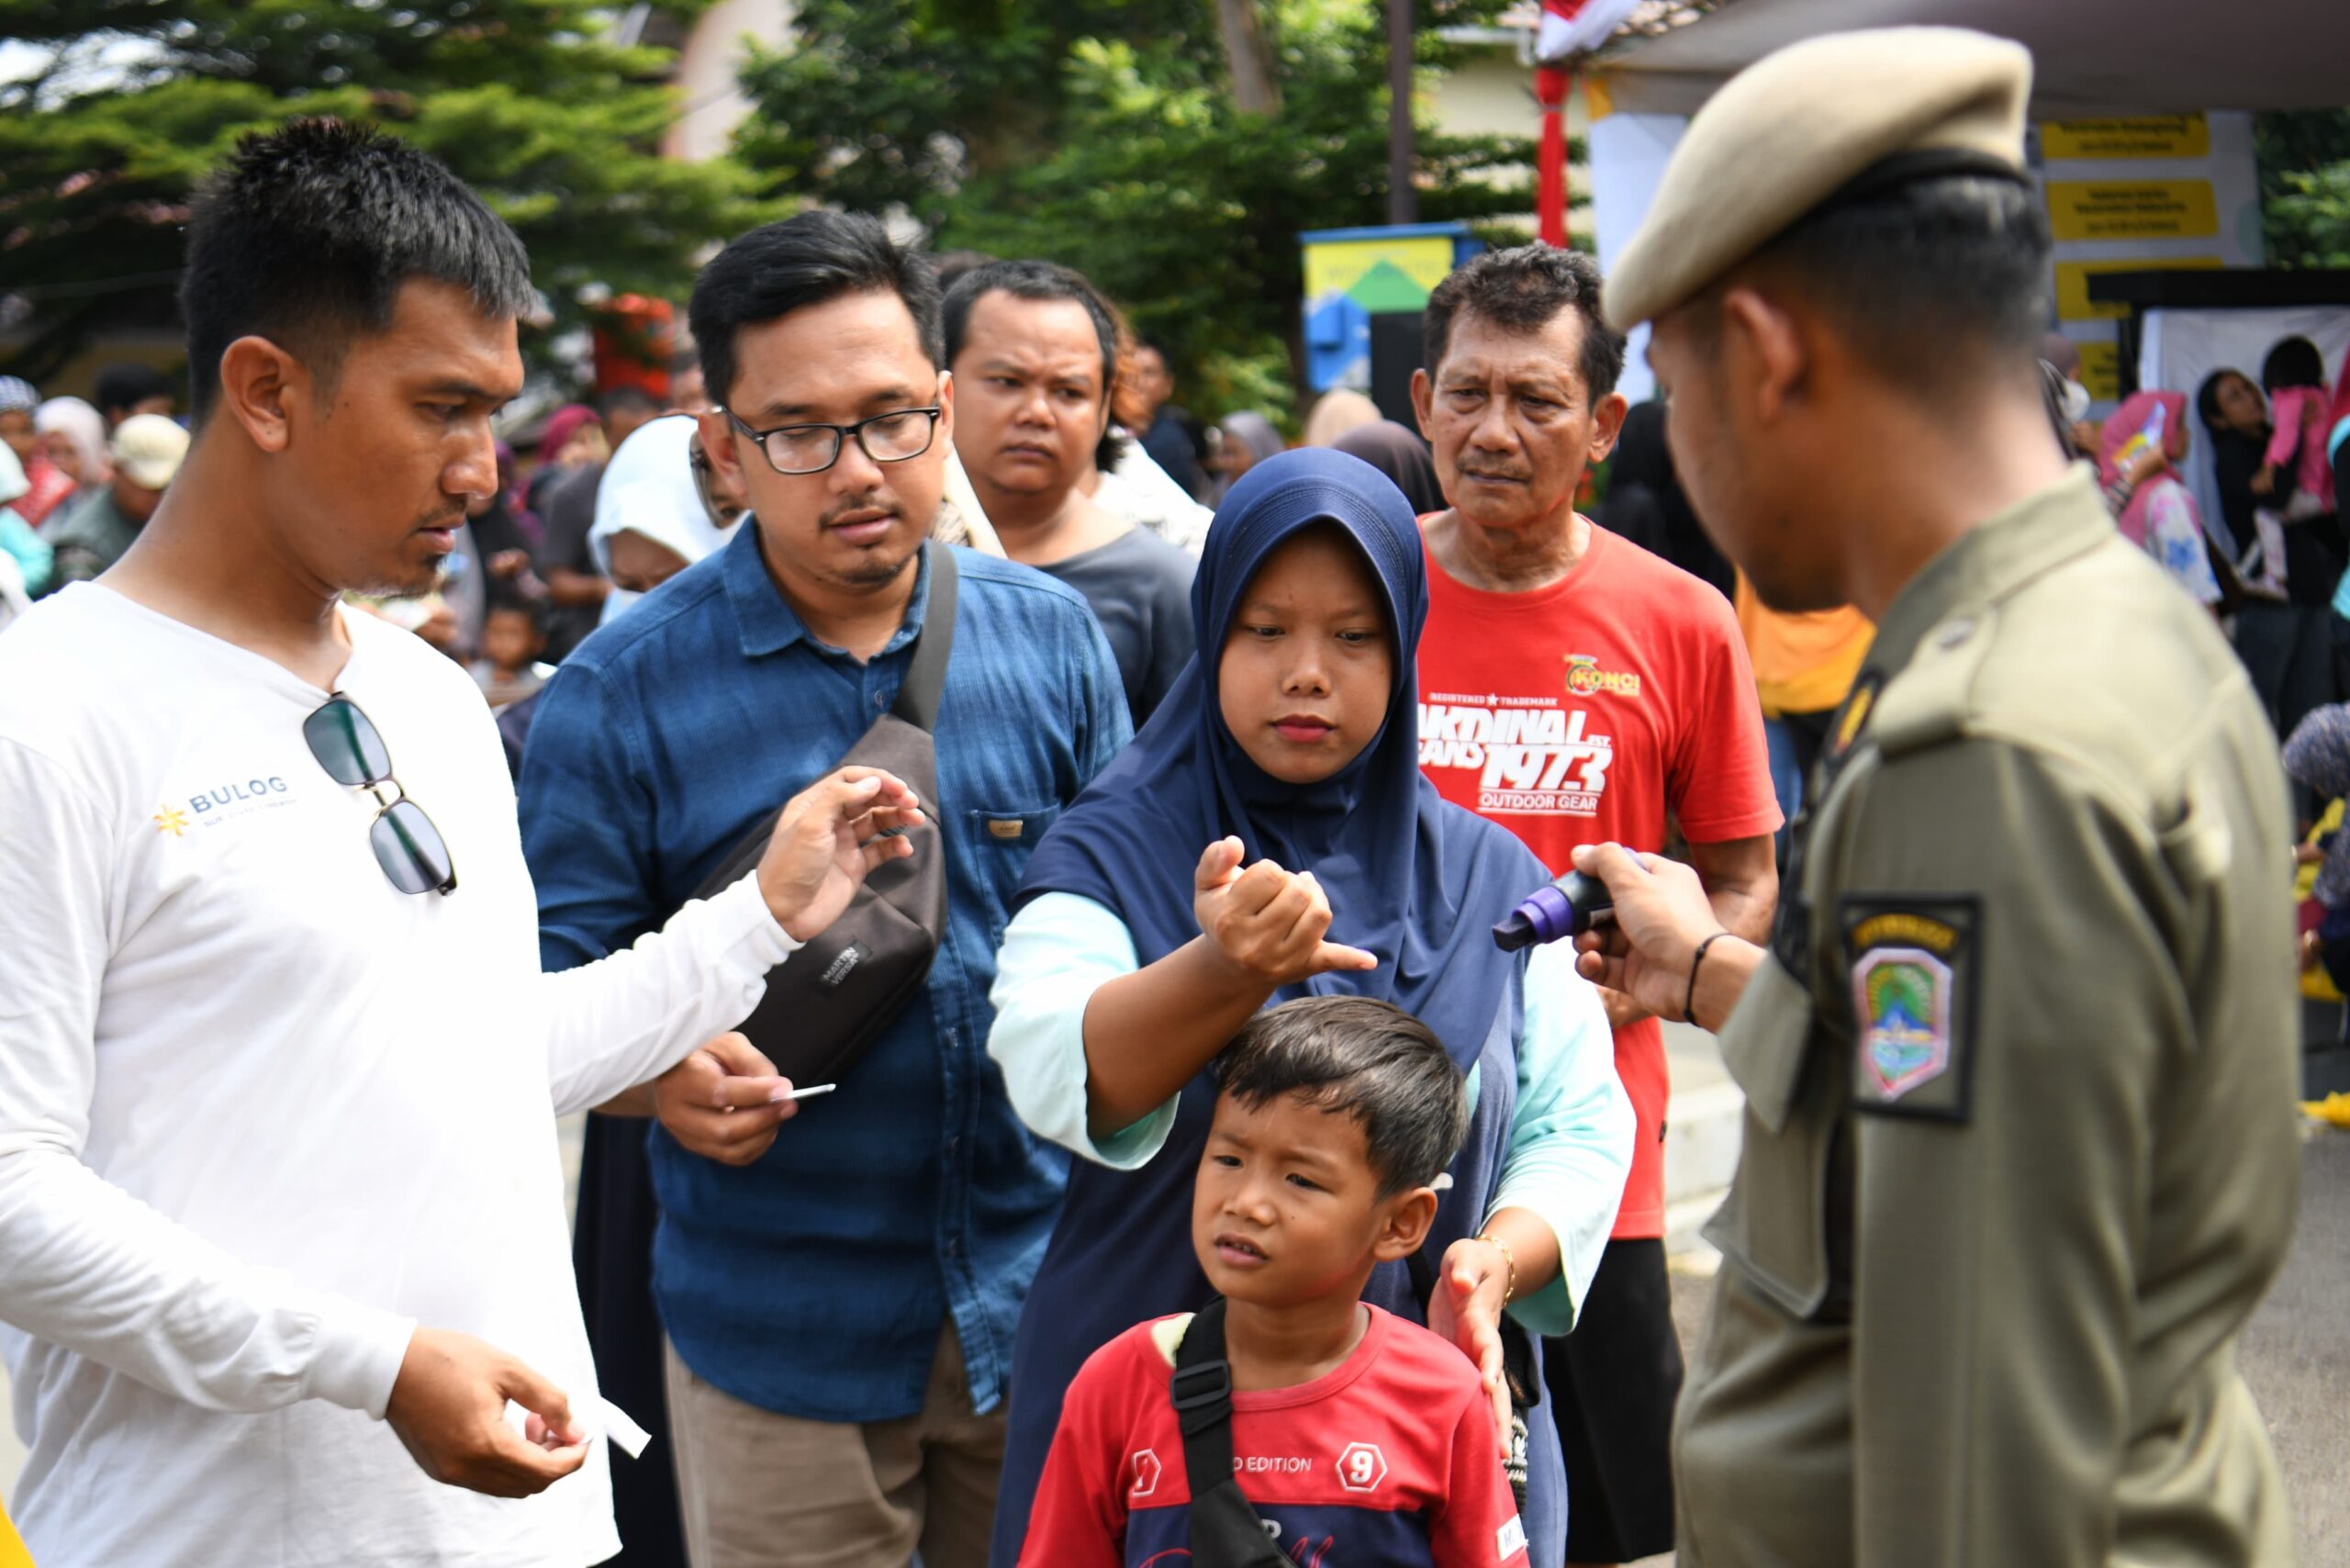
point(829, 1001)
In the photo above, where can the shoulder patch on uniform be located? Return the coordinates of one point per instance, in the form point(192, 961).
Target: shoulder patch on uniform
point(1913, 971)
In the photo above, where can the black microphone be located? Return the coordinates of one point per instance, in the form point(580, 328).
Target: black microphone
point(1564, 908)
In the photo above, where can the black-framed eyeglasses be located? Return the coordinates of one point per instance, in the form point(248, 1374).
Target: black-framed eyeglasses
point(408, 846)
point(893, 437)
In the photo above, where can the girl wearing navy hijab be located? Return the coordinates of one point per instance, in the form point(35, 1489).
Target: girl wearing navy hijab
point(1269, 836)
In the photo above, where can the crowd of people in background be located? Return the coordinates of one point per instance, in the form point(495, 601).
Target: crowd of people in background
point(1417, 662)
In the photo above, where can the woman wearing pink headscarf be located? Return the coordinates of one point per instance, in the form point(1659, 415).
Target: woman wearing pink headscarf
point(2143, 441)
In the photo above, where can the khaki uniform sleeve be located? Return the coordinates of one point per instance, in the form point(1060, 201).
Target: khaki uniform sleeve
point(1992, 904)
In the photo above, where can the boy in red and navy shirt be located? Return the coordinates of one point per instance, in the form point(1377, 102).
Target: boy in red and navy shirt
point(1359, 1438)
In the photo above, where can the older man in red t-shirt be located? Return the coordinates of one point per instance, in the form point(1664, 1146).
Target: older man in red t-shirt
point(1578, 690)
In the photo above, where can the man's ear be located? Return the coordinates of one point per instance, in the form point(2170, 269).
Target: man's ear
point(1423, 401)
point(946, 407)
point(718, 447)
point(1606, 424)
point(1403, 1223)
point(260, 385)
point(1763, 353)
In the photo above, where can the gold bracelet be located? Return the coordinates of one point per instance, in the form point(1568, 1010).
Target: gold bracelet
point(1509, 1292)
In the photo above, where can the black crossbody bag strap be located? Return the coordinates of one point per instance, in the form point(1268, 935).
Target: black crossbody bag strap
point(1226, 1532)
point(926, 679)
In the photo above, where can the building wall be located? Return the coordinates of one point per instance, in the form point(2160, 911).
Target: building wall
point(1492, 94)
point(706, 67)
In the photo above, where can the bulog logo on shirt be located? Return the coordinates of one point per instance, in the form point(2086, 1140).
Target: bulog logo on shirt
point(1539, 761)
point(237, 798)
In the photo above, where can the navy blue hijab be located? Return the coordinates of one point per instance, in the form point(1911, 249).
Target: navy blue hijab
point(1410, 877)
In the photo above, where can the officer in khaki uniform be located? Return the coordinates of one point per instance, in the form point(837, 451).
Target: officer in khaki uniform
point(2019, 1063)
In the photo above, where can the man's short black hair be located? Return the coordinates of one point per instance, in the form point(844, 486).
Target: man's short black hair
point(307, 234)
point(1356, 1056)
point(1042, 280)
point(1520, 290)
point(1933, 283)
point(124, 386)
point(952, 264)
point(811, 259)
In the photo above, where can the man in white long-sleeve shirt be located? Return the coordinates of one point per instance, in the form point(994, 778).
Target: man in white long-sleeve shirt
point(279, 1190)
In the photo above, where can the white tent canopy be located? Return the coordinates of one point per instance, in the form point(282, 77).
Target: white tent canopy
point(2094, 57)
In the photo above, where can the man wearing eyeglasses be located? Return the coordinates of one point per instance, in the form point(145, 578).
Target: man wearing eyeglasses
point(838, 1299)
point(280, 1195)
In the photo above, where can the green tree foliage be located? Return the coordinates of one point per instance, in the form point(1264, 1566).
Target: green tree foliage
point(525, 99)
point(2305, 186)
point(1103, 134)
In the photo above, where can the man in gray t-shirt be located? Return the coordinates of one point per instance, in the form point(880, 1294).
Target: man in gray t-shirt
point(1033, 348)
point(1140, 588)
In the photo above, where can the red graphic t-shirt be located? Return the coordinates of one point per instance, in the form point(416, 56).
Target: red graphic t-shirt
point(1583, 713)
point(1388, 1460)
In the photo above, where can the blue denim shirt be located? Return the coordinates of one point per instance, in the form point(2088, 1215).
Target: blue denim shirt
point(814, 1281)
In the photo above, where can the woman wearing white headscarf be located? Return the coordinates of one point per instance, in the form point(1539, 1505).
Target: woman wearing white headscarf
point(655, 515)
point(73, 433)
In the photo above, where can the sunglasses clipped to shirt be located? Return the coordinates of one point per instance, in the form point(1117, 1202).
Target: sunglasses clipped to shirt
point(414, 855)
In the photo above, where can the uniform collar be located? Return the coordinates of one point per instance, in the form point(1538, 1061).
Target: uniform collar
point(768, 625)
point(1993, 559)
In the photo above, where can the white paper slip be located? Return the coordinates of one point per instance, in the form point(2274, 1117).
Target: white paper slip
point(622, 1429)
point(600, 1418)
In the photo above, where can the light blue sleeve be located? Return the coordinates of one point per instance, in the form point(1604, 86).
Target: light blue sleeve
point(1056, 952)
point(1571, 1139)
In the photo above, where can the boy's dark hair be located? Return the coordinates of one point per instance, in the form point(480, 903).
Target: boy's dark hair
point(1042, 280)
point(811, 259)
point(1356, 1056)
point(1520, 290)
point(623, 399)
point(2294, 361)
point(1935, 284)
point(505, 597)
point(123, 386)
point(306, 233)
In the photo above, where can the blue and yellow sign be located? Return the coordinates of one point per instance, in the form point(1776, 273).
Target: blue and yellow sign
point(1352, 275)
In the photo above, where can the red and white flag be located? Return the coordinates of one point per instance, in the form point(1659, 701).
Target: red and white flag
point(1570, 28)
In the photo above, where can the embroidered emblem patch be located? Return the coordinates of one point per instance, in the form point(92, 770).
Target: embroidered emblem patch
point(1901, 998)
point(1912, 973)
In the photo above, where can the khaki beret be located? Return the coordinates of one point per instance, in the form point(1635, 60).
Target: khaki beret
point(1797, 126)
